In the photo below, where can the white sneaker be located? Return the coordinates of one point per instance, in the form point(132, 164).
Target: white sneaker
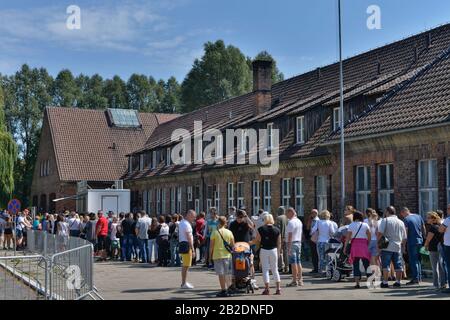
point(187, 285)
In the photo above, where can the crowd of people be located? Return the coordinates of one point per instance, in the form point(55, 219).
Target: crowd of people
point(393, 242)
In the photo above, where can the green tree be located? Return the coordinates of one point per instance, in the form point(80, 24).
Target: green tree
point(277, 76)
point(171, 103)
point(140, 93)
point(65, 92)
point(220, 74)
point(8, 156)
point(115, 91)
point(91, 92)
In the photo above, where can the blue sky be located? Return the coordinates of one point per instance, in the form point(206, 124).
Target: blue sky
point(163, 37)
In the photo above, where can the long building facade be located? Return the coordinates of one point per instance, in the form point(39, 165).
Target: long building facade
point(397, 129)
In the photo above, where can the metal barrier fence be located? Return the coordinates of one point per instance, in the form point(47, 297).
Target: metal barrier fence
point(61, 268)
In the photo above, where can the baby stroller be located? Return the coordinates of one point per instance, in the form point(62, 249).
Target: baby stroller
point(241, 267)
point(338, 266)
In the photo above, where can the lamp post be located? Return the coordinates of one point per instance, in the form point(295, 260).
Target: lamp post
point(341, 114)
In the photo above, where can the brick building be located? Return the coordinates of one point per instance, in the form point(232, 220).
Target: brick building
point(397, 127)
point(85, 145)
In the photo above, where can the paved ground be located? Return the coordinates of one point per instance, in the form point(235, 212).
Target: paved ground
point(123, 281)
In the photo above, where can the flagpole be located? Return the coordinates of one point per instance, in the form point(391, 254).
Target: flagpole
point(341, 114)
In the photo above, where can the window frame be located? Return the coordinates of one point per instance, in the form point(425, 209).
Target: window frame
point(389, 191)
point(366, 192)
point(299, 196)
point(269, 142)
point(300, 132)
point(322, 197)
point(286, 192)
point(430, 190)
point(240, 198)
point(267, 195)
point(230, 194)
point(216, 196)
point(336, 118)
point(256, 196)
point(189, 193)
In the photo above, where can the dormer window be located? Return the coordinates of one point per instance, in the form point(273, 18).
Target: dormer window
point(300, 130)
point(168, 162)
point(336, 119)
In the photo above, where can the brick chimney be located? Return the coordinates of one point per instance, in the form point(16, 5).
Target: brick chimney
point(262, 85)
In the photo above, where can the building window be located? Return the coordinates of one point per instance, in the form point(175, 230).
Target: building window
point(336, 119)
point(240, 195)
point(321, 193)
point(172, 200)
point(230, 191)
point(267, 195)
point(150, 202)
point(189, 193)
point(153, 159)
point(145, 200)
point(286, 192)
point(385, 185)
point(197, 199)
point(217, 196)
point(428, 186)
point(256, 196)
point(209, 197)
point(141, 162)
point(158, 202)
point(448, 181)
point(45, 168)
point(363, 196)
point(163, 201)
point(168, 162)
point(269, 136)
point(178, 205)
point(299, 197)
point(301, 129)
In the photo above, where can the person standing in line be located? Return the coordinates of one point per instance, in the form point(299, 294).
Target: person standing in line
point(186, 247)
point(281, 223)
point(9, 233)
point(2, 232)
point(269, 238)
point(394, 232)
point(21, 225)
point(142, 227)
point(173, 240)
point(200, 226)
point(373, 221)
point(433, 240)
point(163, 242)
point(127, 227)
point(211, 225)
point(153, 233)
point(293, 240)
point(221, 240)
point(415, 233)
point(311, 224)
point(325, 229)
point(74, 225)
point(445, 229)
point(358, 237)
point(135, 253)
point(115, 246)
point(101, 232)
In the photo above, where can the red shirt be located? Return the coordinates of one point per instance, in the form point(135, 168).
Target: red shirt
point(199, 228)
point(102, 227)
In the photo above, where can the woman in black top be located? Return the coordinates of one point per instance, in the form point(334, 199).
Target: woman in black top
point(433, 241)
point(269, 238)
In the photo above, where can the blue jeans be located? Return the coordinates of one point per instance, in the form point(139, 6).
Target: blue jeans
point(174, 256)
point(153, 250)
point(144, 250)
point(447, 262)
point(387, 257)
point(321, 252)
point(135, 247)
point(127, 243)
point(296, 249)
point(414, 261)
point(443, 263)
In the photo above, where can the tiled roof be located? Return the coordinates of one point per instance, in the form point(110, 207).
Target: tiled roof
point(376, 72)
point(87, 148)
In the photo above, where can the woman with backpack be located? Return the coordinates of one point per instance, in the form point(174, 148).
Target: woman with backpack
point(163, 242)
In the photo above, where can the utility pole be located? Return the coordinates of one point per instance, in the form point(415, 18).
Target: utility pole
point(341, 114)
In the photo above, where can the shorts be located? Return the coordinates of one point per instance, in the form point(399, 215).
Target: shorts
point(222, 266)
point(373, 248)
point(387, 257)
point(19, 233)
point(296, 250)
point(187, 259)
point(101, 243)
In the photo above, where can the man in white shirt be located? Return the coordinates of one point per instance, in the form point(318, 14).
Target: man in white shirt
point(293, 237)
point(74, 225)
point(142, 227)
point(445, 229)
point(186, 240)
